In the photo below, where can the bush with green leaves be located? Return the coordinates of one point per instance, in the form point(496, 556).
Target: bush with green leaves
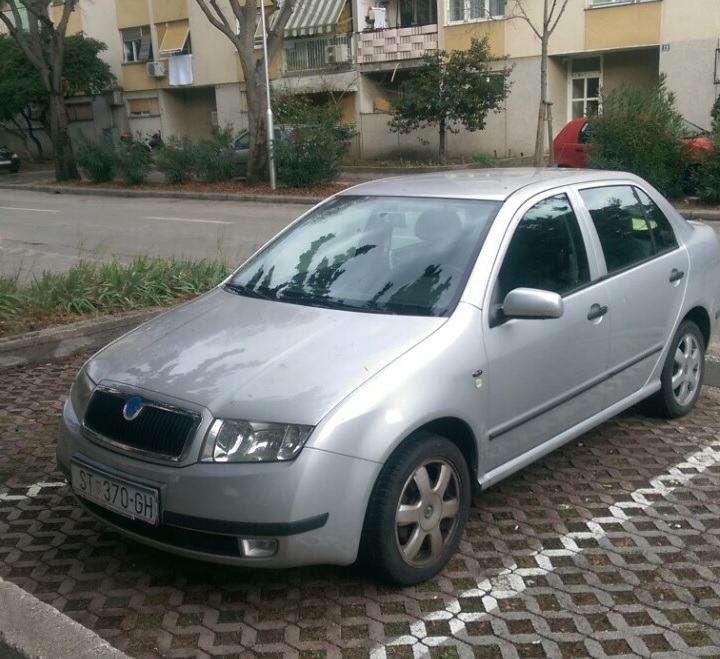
point(640, 131)
point(214, 159)
point(706, 172)
point(174, 158)
point(96, 157)
point(483, 159)
point(313, 144)
point(133, 161)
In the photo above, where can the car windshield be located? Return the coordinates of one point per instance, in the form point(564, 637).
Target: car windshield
point(394, 255)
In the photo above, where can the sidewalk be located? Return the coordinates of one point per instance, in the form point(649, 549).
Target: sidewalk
point(707, 214)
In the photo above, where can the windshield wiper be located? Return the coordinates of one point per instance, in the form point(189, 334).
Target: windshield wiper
point(241, 289)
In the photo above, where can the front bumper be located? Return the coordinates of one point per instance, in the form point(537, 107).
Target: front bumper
point(314, 506)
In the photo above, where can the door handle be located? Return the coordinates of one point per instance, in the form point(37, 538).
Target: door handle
point(597, 311)
point(676, 275)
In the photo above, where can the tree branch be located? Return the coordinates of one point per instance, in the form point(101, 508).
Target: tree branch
point(559, 16)
point(524, 17)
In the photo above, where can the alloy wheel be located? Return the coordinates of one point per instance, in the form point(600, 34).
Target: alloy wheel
point(427, 512)
point(686, 369)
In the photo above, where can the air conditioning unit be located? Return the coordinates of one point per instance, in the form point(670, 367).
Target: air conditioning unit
point(116, 97)
point(157, 69)
point(337, 53)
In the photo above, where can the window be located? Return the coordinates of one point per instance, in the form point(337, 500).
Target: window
point(621, 226)
point(662, 230)
point(474, 10)
point(174, 38)
point(137, 45)
point(585, 86)
point(546, 252)
point(144, 107)
point(79, 112)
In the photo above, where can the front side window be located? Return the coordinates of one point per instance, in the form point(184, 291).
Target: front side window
point(395, 255)
point(621, 225)
point(546, 251)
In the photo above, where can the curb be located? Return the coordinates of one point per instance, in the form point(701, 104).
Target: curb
point(31, 629)
point(700, 214)
point(165, 194)
point(64, 341)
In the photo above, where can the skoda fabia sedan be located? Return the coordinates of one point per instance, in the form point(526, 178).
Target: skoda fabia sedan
point(400, 346)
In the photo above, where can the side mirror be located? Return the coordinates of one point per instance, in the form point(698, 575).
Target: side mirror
point(532, 303)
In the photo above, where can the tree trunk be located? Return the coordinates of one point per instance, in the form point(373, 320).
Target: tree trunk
point(257, 164)
point(65, 168)
point(443, 138)
point(538, 159)
point(32, 136)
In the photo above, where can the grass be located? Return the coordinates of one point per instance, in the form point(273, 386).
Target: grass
point(91, 288)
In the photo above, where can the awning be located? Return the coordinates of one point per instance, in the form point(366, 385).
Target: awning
point(314, 17)
point(176, 34)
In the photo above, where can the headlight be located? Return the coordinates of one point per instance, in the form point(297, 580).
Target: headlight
point(80, 393)
point(251, 441)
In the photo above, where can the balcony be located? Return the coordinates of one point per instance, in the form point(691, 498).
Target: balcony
point(396, 44)
point(317, 54)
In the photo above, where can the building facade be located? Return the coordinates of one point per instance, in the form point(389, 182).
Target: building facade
point(178, 75)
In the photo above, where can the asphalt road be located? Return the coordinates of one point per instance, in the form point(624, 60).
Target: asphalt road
point(41, 231)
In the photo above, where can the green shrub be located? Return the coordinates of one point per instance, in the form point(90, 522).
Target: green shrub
point(214, 159)
point(174, 158)
point(639, 131)
point(133, 161)
point(314, 143)
point(483, 159)
point(97, 158)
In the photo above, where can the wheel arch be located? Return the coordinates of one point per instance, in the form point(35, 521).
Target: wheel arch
point(701, 318)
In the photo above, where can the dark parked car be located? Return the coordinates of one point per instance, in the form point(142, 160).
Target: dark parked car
point(242, 148)
point(9, 160)
point(570, 147)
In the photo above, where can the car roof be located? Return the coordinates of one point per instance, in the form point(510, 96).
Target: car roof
point(493, 184)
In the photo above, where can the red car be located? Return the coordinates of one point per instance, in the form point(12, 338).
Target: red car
point(570, 147)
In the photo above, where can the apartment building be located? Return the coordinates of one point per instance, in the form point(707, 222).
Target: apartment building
point(178, 75)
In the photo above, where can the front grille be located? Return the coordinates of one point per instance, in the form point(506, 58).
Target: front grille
point(156, 430)
point(208, 543)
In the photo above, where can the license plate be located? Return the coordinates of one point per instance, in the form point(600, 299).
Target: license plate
point(116, 494)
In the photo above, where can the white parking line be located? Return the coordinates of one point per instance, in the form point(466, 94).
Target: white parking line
point(32, 491)
point(32, 210)
point(513, 581)
point(185, 219)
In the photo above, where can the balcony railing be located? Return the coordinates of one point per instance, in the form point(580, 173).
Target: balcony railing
point(317, 54)
point(397, 43)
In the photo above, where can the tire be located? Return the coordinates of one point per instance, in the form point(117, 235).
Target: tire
point(407, 554)
point(685, 363)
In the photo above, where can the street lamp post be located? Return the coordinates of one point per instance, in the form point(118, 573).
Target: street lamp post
point(270, 126)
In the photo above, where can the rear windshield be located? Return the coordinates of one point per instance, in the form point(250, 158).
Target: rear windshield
point(394, 255)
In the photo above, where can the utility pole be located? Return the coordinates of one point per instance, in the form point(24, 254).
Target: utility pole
point(270, 124)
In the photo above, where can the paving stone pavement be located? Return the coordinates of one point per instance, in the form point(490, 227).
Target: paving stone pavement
point(608, 547)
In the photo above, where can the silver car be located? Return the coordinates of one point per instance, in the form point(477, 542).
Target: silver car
point(400, 346)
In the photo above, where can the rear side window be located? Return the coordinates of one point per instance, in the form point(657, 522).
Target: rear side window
point(665, 239)
point(546, 251)
point(621, 225)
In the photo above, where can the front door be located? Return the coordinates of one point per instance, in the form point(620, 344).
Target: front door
point(646, 281)
point(543, 375)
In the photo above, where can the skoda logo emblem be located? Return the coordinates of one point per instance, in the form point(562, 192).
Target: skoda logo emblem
point(132, 408)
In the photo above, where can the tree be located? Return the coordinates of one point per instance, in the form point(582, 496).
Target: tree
point(23, 94)
point(43, 44)
point(240, 28)
point(553, 11)
point(450, 90)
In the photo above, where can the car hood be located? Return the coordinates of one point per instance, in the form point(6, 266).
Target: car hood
point(255, 359)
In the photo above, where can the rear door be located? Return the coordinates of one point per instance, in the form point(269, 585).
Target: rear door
point(645, 280)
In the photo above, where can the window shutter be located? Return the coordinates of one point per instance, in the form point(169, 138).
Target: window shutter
point(145, 47)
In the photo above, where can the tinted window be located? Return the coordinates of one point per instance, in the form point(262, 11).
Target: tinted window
point(620, 222)
point(397, 255)
point(660, 225)
point(546, 251)
point(243, 142)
